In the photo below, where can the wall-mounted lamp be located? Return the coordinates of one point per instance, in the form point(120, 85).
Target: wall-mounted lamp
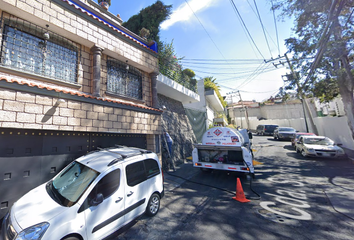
point(59, 101)
point(163, 108)
point(127, 67)
point(46, 34)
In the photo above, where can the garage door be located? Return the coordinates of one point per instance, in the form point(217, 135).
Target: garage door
point(31, 157)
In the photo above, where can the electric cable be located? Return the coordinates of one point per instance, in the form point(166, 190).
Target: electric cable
point(276, 27)
point(205, 30)
point(244, 25)
point(218, 188)
point(254, 11)
point(261, 22)
point(223, 73)
point(252, 76)
point(218, 60)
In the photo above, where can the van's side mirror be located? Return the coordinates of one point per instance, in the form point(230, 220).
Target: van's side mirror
point(250, 135)
point(97, 200)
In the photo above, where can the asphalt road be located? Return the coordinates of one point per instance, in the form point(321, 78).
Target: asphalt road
point(293, 203)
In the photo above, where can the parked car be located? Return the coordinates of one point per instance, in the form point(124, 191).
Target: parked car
point(284, 133)
point(318, 146)
point(265, 129)
point(91, 198)
point(298, 135)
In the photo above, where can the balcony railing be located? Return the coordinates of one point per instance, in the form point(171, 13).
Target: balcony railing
point(178, 77)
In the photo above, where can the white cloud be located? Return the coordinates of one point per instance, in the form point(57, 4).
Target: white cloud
point(184, 12)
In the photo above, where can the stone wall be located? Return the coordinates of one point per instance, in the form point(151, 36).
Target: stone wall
point(176, 123)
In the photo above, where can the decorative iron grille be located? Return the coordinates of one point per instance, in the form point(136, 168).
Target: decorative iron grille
point(31, 48)
point(123, 79)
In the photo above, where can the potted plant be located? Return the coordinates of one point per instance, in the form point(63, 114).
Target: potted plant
point(104, 3)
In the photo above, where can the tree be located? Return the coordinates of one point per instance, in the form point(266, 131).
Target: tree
point(326, 89)
point(283, 95)
point(189, 72)
point(149, 18)
point(146, 24)
point(168, 61)
point(323, 47)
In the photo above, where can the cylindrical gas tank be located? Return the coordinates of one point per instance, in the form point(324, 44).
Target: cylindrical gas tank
point(223, 136)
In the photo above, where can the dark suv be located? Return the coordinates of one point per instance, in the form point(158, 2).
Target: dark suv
point(265, 129)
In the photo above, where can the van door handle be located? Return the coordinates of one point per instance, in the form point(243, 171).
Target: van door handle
point(130, 193)
point(119, 199)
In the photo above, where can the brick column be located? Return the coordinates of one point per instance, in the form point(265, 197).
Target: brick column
point(155, 102)
point(96, 81)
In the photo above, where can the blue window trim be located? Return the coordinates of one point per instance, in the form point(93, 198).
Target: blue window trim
point(152, 47)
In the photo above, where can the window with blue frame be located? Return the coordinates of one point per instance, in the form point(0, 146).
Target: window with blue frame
point(123, 80)
point(29, 48)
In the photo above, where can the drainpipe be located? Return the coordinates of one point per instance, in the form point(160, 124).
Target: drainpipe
point(155, 102)
point(97, 53)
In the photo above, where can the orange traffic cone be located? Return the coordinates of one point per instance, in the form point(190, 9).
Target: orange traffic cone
point(240, 195)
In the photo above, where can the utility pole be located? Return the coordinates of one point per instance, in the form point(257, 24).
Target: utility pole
point(305, 106)
point(303, 98)
point(246, 112)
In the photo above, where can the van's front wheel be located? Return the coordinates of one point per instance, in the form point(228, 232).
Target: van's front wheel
point(153, 205)
point(71, 238)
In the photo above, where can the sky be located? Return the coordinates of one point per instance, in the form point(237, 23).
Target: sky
point(237, 42)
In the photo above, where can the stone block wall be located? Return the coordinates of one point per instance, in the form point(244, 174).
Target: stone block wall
point(33, 111)
point(176, 123)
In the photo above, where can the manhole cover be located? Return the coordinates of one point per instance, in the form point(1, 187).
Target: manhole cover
point(276, 217)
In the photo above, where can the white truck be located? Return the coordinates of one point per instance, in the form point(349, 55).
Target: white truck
point(224, 148)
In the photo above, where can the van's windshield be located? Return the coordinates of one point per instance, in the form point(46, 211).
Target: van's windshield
point(68, 186)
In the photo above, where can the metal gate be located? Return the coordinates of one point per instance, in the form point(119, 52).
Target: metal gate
point(29, 158)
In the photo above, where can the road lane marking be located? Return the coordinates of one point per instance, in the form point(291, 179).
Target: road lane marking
point(296, 200)
point(303, 215)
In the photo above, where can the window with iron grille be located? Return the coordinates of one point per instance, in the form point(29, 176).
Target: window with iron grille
point(123, 80)
point(33, 49)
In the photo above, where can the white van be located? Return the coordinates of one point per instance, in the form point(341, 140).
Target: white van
point(91, 198)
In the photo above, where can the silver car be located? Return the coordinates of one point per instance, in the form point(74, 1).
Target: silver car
point(284, 133)
point(318, 146)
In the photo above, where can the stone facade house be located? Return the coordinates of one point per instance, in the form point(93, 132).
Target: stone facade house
point(72, 79)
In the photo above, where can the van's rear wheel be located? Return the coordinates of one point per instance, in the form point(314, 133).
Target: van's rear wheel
point(153, 205)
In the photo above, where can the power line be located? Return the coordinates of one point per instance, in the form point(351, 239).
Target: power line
point(253, 75)
point(245, 27)
point(220, 60)
point(276, 27)
point(260, 20)
point(264, 28)
point(205, 30)
point(229, 73)
point(241, 68)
